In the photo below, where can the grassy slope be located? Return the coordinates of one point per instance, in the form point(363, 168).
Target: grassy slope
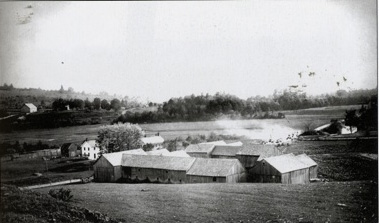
point(231, 202)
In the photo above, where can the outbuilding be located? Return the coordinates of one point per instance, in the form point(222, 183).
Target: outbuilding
point(286, 169)
point(165, 169)
point(70, 150)
point(216, 171)
point(178, 153)
point(312, 165)
point(108, 167)
point(28, 108)
point(252, 153)
point(200, 150)
point(155, 141)
point(225, 151)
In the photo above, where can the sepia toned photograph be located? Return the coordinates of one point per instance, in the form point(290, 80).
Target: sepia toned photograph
point(198, 111)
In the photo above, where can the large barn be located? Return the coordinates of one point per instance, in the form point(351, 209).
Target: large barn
point(108, 167)
point(311, 164)
point(225, 151)
point(286, 169)
point(251, 153)
point(216, 170)
point(165, 169)
point(200, 150)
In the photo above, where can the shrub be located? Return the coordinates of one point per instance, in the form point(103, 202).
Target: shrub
point(61, 194)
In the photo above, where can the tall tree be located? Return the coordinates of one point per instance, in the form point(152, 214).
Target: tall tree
point(96, 103)
point(119, 137)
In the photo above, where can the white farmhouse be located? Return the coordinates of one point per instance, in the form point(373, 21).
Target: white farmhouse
point(28, 108)
point(155, 141)
point(90, 149)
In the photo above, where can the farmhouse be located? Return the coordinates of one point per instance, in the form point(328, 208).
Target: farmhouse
point(312, 165)
point(200, 150)
point(70, 150)
point(155, 141)
point(216, 170)
point(156, 168)
point(108, 167)
point(251, 153)
point(90, 149)
point(286, 169)
point(28, 108)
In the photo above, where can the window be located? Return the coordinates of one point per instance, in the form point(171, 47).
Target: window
point(166, 171)
point(180, 181)
point(169, 180)
point(214, 179)
point(94, 156)
point(139, 170)
point(157, 178)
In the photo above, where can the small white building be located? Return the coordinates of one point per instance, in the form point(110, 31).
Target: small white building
point(28, 108)
point(155, 141)
point(90, 149)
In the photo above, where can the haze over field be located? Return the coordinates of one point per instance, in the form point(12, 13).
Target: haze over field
point(159, 50)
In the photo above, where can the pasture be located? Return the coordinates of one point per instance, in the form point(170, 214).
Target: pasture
point(316, 202)
point(295, 121)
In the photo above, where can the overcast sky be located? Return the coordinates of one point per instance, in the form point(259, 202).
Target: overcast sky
point(159, 50)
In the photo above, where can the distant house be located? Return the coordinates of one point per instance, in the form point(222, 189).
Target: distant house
point(312, 165)
point(200, 150)
point(286, 169)
point(28, 108)
point(251, 153)
point(156, 168)
point(155, 141)
point(70, 150)
point(90, 149)
point(108, 167)
point(216, 170)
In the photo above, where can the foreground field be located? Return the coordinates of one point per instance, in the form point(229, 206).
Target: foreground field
point(318, 202)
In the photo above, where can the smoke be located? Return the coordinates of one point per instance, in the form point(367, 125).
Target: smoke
point(257, 129)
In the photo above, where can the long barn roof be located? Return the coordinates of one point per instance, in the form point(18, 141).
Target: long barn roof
point(116, 158)
point(157, 162)
point(212, 167)
point(226, 150)
point(200, 148)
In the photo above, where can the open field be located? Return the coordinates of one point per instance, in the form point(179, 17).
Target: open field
point(295, 121)
point(318, 202)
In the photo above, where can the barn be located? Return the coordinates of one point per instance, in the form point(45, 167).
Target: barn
point(251, 153)
point(286, 169)
point(178, 153)
point(200, 150)
point(28, 108)
point(225, 151)
point(216, 171)
point(159, 152)
point(70, 150)
point(216, 143)
point(165, 169)
point(108, 167)
point(313, 167)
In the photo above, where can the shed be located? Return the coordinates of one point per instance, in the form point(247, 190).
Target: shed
point(225, 151)
point(28, 108)
point(251, 153)
point(167, 169)
point(216, 170)
point(312, 165)
point(108, 167)
point(286, 169)
point(70, 150)
point(200, 150)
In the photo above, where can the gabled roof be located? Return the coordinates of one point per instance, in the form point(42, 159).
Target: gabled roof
point(67, 146)
point(30, 105)
point(221, 142)
point(92, 143)
point(235, 144)
point(157, 162)
point(159, 152)
point(285, 163)
point(261, 150)
point(152, 140)
point(212, 167)
point(116, 158)
point(179, 153)
point(306, 159)
point(200, 148)
point(226, 150)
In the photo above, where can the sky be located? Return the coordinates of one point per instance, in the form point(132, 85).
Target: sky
point(159, 50)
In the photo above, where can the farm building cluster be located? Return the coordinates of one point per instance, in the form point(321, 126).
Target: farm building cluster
point(206, 163)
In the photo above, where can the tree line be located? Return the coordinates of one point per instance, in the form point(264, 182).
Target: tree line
point(79, 104)
point(209, 107)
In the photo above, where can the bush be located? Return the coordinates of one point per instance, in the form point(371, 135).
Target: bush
point(61, 194)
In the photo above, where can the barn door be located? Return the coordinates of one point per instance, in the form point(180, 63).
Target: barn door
point(103, 174)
